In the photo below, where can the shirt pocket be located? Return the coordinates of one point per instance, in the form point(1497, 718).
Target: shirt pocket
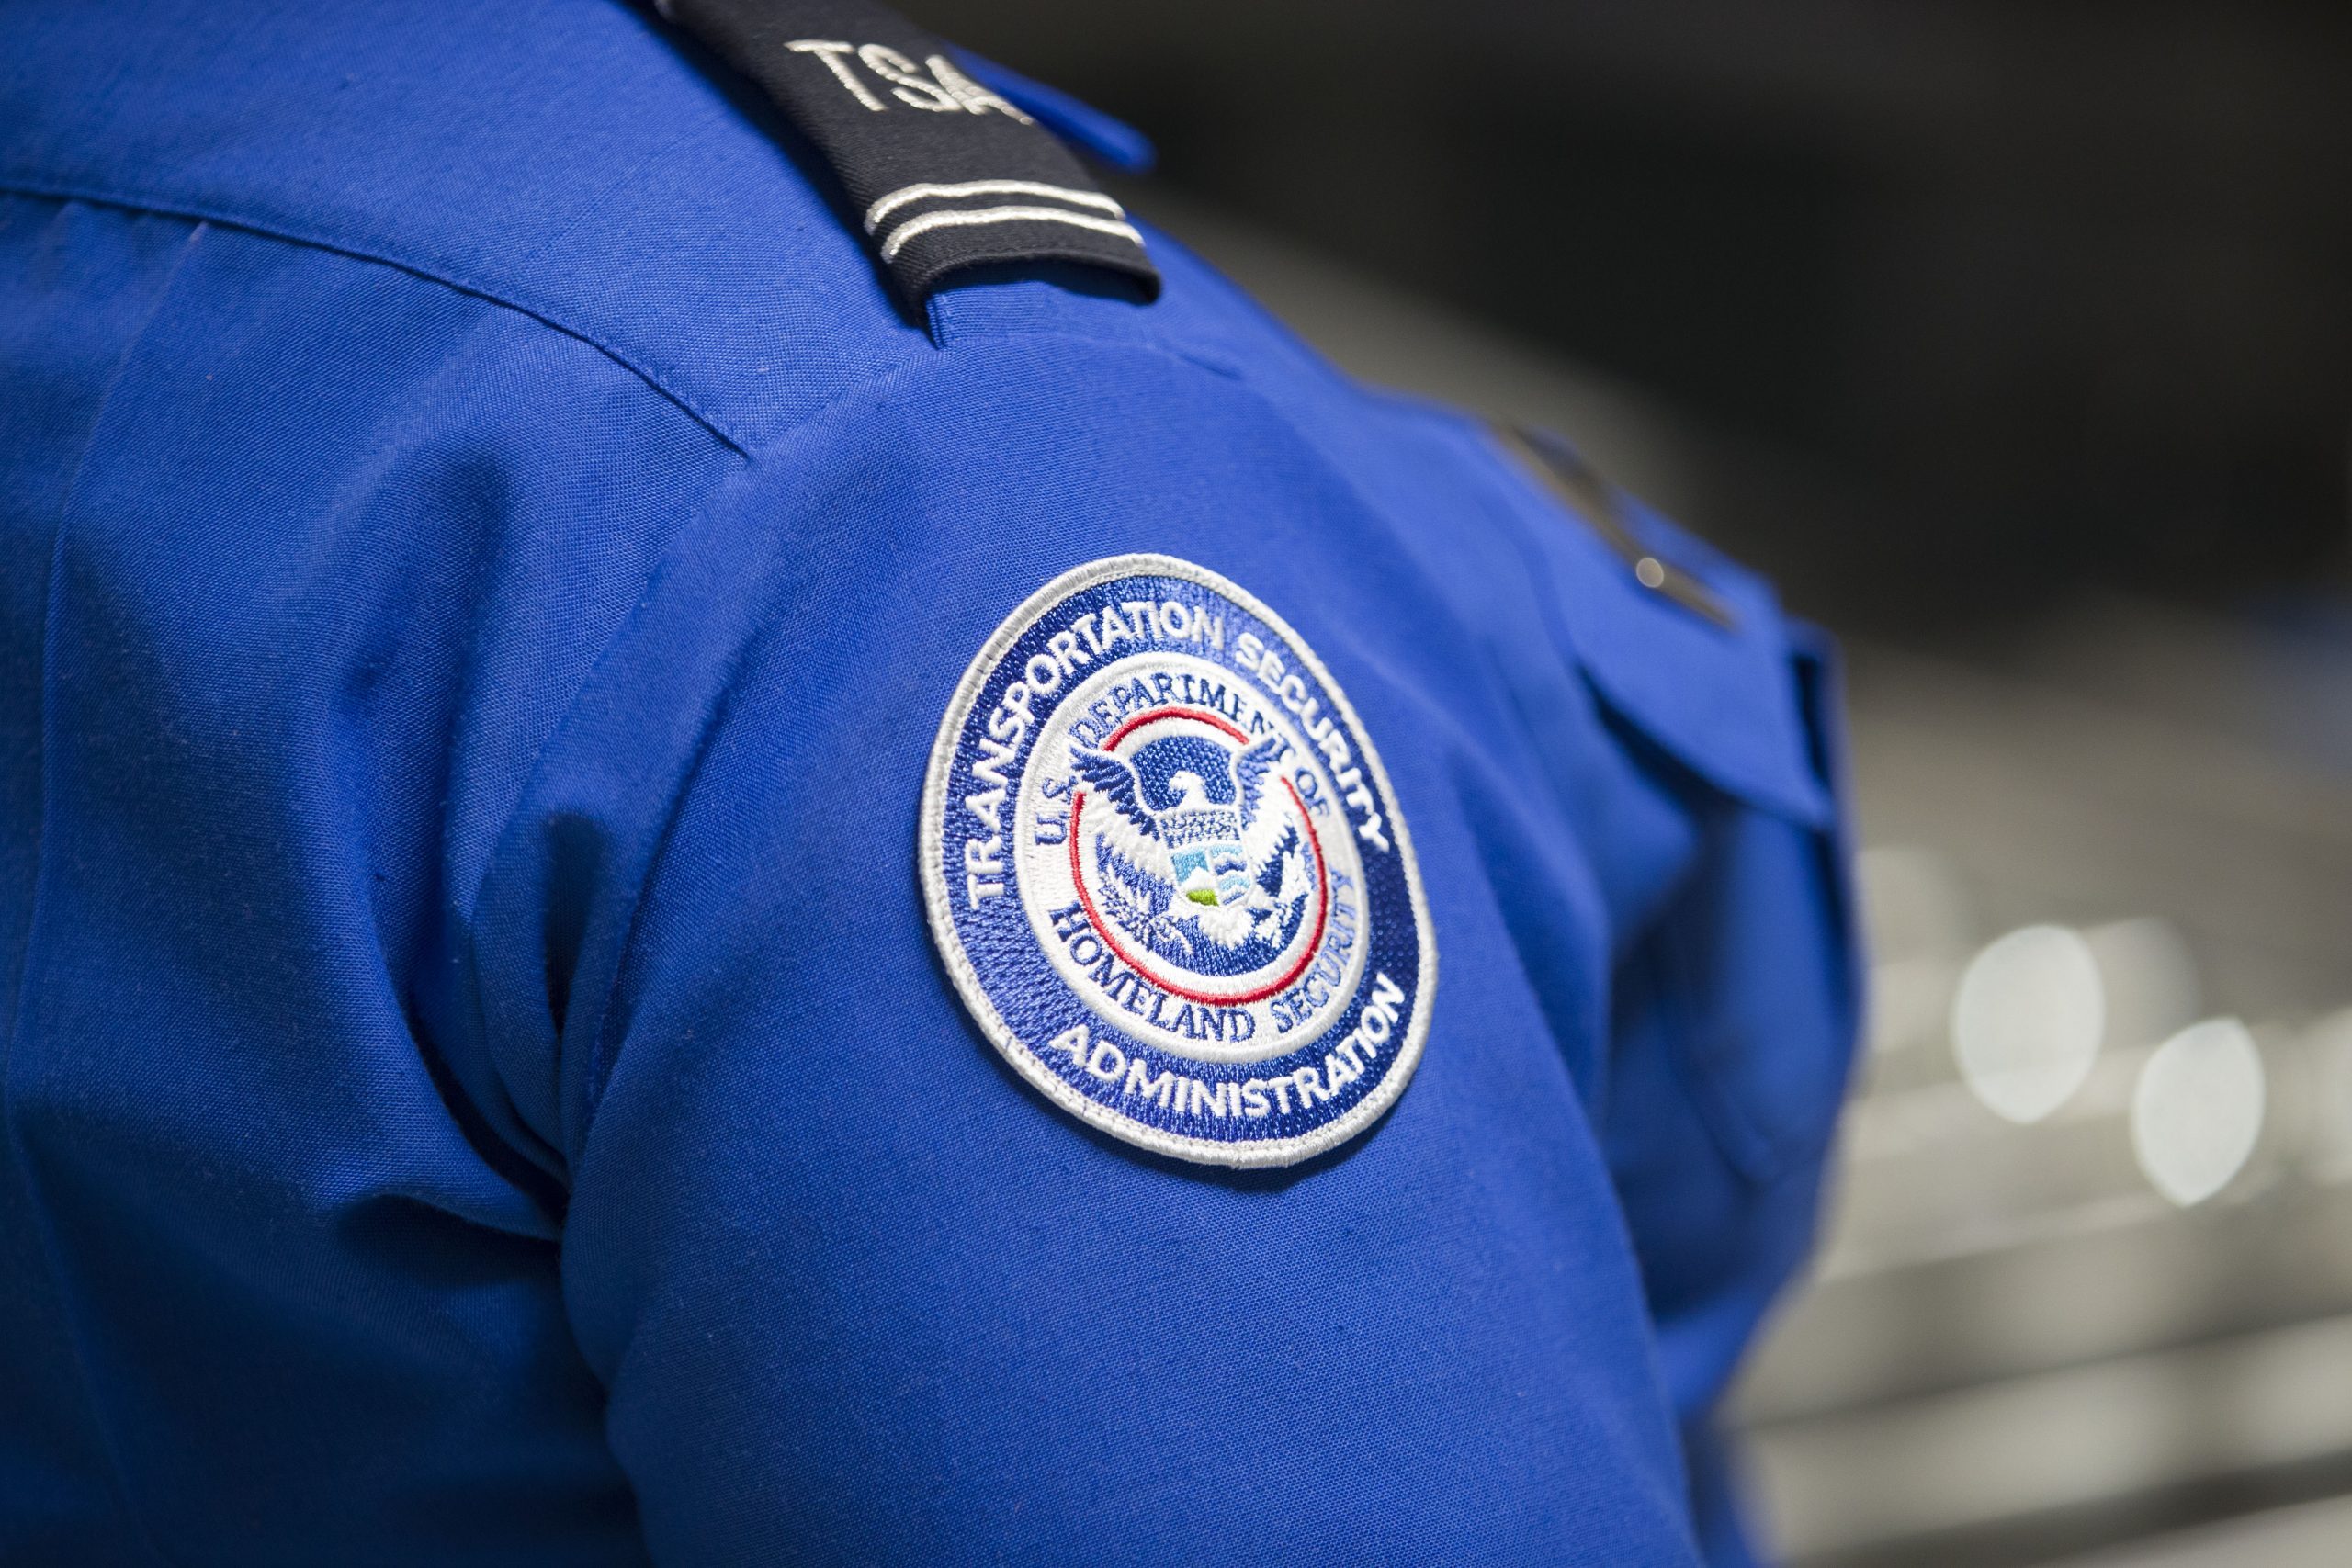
point(1754, 947)
point(1760, 951)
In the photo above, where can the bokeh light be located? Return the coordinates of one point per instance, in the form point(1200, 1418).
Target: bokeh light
point(2026, 1020)
point(2197, 1111)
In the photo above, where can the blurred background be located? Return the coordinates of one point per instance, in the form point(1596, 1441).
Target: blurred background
point(2014, 339)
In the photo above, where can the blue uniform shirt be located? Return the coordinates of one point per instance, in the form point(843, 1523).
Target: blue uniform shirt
point(483, 563)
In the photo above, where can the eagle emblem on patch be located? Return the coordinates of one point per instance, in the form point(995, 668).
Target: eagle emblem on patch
point(1167, 871)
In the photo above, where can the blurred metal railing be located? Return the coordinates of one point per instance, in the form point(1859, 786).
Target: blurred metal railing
point(2026, 1334)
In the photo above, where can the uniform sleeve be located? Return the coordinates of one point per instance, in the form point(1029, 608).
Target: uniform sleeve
point(1734, 1018)
point(857, 1292)
point(1696, 754)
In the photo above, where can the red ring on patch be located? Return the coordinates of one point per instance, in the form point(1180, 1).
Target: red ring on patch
point(1101, 928)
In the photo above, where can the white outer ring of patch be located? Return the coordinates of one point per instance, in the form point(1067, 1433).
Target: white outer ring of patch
point(939, 907)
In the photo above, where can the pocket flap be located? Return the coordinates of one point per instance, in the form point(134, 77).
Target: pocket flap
point(1689, 649)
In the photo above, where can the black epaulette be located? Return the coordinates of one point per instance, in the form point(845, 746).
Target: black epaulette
point(944, 174)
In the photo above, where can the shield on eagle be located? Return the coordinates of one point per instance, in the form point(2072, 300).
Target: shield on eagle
point(1196, 797)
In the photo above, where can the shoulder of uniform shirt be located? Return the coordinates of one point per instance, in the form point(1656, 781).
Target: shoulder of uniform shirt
point(572, 159)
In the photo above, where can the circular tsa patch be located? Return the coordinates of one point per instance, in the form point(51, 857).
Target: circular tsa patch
point(1167, 870)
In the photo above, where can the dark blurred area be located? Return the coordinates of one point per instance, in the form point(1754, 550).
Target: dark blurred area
point(2015, 340)
point(1977, 300)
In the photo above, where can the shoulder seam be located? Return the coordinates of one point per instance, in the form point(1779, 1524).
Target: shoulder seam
point(196, 214)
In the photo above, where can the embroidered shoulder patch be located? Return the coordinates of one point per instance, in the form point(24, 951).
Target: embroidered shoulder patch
point(1167, 870)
